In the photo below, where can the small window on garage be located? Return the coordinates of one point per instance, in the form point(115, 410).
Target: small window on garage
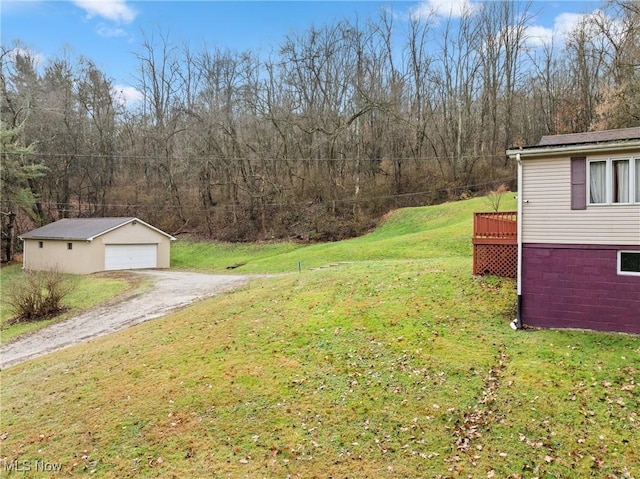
point(69, 245)
point(629, 262)
point(40, 244)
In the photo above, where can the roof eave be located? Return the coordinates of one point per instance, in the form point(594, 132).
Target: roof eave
point(55, 238)
point(545, 151)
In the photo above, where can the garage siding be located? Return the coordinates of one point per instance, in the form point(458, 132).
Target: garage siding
point(56, 256)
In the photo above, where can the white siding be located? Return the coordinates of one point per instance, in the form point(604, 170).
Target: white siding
point(547, 216)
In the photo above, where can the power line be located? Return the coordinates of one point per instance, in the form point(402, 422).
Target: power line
point(238, 159)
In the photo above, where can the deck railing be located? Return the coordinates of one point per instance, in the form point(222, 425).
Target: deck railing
point(495, 239)
point(496, 225)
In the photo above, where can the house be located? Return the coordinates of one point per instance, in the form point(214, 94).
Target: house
point(88, 245)
point(579, 231)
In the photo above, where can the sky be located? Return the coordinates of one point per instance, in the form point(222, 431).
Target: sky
point(110, 32)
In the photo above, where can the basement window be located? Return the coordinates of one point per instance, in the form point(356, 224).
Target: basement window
point(69, 245)
point(629, 262)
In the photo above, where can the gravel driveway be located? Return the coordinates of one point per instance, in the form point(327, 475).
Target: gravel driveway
point(172, 290)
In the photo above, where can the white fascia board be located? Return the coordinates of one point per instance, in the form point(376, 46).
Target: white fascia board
point(545, 151)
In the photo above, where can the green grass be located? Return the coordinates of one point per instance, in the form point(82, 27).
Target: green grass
point(389, 365)
point(442, 231)
point(88, 291)
point(216, 257)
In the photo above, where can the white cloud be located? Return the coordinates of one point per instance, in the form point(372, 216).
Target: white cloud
point(110, 32)
point(127, 95)
point(115, 10)
point(563, 25)
point(443, 8)
point(538, 36)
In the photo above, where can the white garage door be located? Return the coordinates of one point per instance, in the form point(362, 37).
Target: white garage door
point(130, 256)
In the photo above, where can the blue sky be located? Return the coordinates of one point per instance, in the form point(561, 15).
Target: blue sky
point(110, 32)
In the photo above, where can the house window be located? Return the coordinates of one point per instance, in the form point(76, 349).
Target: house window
point(614, 181)
point(629, 262)
point(69, 245)
point(40, 244)
point(620, 180)
point(597, 182)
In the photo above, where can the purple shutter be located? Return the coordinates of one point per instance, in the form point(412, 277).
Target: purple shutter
point(579, 183)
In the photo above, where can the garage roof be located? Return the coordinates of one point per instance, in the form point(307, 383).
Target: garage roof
point(85, 229)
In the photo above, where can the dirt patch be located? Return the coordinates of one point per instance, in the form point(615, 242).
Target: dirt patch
point(170, 291)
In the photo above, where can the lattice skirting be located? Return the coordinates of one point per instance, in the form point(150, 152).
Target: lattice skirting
point(496, 259)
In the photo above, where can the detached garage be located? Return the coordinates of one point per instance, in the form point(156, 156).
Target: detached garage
point(89, 245)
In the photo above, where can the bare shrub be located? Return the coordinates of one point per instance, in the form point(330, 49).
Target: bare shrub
point(38, 295)
point(494, 197)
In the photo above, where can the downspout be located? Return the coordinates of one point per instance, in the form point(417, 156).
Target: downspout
point(517, 323)
point(24, 253)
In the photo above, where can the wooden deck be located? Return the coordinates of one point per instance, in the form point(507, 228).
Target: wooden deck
point(495, 243)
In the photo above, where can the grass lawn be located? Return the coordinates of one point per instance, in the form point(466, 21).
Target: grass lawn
point(411, 233)
point(395, 363)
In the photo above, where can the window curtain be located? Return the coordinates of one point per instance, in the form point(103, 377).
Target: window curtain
point(597, 182)
point(620, 172)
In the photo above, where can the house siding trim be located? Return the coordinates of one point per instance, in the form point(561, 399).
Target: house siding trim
point(578, 286)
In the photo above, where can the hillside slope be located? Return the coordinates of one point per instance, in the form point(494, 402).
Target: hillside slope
point(410, 233)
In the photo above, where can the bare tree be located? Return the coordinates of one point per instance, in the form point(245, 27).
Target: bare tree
point(95, 96)
point(160, 80)
point(620, 105)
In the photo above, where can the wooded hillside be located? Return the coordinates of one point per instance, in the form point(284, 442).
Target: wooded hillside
point(338, 125)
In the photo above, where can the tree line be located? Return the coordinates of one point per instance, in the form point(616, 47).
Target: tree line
point(339, 124)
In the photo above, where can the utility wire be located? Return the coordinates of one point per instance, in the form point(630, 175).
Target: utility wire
point(238, 159)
